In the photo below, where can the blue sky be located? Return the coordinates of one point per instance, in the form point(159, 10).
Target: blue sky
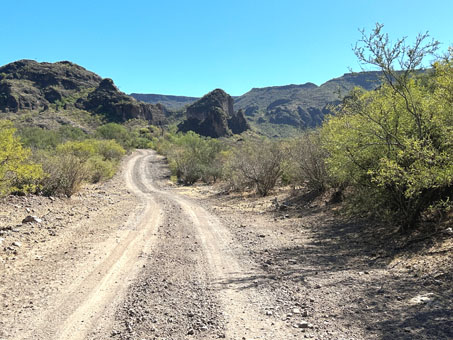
point(192, 47)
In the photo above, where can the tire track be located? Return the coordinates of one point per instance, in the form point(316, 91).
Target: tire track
point(88, 301)
point(242, 304)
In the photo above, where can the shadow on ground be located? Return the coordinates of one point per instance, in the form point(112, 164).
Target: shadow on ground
point(371, 267)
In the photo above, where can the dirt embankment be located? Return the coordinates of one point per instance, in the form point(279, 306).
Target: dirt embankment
point(139, 258)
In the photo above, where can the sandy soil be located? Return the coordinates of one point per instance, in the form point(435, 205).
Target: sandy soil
point(140, 258)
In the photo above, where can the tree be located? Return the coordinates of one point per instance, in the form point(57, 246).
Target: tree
point(394, 145)
point(17, 172)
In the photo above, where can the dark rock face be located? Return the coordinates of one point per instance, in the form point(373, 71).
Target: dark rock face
point(29, 85)
point(119, 107)
point(251, 110)
point(237, 123)
point(214, 116)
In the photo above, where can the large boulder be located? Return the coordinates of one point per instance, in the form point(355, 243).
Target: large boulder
point(214, 116)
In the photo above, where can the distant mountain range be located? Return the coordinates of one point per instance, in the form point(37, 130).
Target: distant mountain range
point(170, 102)
point(272, 108)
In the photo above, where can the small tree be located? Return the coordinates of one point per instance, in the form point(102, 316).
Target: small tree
point(395, 144)
point(17, 172)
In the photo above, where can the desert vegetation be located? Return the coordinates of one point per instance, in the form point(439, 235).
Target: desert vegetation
point(387, 151)
point(58, 162)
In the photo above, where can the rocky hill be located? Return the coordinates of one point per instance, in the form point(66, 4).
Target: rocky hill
point(214, 116)
point(274, 108)
point(69, 94)
point(302, 105)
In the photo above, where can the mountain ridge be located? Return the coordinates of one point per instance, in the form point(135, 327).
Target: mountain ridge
point(299, 106)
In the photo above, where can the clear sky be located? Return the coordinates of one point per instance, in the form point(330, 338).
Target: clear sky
point(192, 47)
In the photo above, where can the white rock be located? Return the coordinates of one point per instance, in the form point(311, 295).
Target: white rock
point(422, 298)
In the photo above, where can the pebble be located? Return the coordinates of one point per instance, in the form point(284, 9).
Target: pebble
point(302, 324)
point(17, 244)
point(31, 219)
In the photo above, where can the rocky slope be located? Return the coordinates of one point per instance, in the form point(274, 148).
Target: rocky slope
point(302, 105)
point(214, 116)
point(27, 86)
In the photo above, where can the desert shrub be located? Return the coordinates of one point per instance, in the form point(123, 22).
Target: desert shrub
point(39, 138)
point(100, 169)
point(65, 173)
point(82, 150)
point(68, 132)
point(192, 157)
point(108, 149)
point(255, 165)
point(306, 162)
point(394, 145)
point(116, 132)
point(75, 162)
point(17, 172)
point(133, 135)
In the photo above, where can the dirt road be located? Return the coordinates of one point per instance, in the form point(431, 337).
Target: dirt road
point(138, 258)
point(168, 270)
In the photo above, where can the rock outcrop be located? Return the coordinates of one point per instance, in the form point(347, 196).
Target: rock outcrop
point(106, 99)
point(214, 116)
point(27, 85)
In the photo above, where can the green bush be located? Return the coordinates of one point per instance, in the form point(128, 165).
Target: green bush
point(68, 132)
point(65, 173)
point(76, 162)
point(116, 132)
point(108, 149)
point(39, 138)
point(17, 172)
point(192, 157)
point(100, 169)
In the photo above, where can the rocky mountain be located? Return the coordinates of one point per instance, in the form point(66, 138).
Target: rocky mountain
point(27, 86)
point(302, 105)
point(298, 106)
point(214, 116)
